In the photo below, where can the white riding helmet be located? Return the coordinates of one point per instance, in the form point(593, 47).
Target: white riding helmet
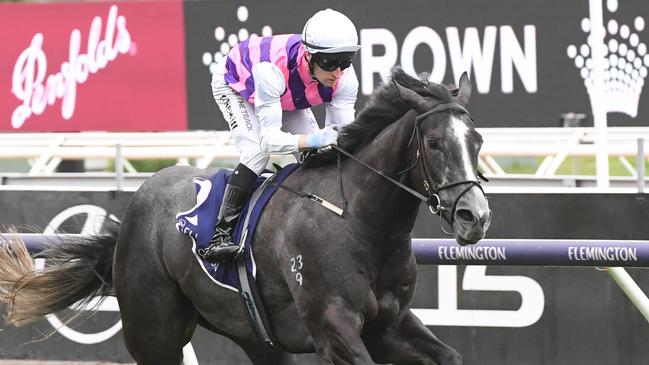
point(329, 31)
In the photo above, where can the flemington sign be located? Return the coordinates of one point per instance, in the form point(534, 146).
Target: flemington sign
point(589, 253)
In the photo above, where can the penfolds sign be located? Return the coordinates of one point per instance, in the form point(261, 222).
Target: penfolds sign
point(36, 90)
point(92, 66)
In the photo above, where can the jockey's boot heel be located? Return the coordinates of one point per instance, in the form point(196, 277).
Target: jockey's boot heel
point(222, 246)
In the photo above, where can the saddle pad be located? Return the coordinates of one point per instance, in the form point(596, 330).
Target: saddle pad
point(199, 221)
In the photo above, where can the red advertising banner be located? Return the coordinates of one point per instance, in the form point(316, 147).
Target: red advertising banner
point(92, 66)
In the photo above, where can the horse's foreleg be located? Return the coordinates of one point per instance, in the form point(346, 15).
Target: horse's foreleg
point(408, 341)
point(336, 333)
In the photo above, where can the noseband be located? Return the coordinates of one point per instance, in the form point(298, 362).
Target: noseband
point(433, 200)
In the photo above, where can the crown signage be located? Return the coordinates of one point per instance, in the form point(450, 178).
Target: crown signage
point(625, 62)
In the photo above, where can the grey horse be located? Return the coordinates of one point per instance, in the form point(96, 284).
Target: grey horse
point(336, 285)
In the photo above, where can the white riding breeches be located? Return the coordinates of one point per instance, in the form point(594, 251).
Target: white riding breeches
point(241, 119)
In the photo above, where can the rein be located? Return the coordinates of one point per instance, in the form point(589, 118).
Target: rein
point(433, 200)
point(395, 182)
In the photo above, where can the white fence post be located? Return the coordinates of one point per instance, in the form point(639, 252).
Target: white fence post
point(640, 165)
point(119, 168)
point(631, 289)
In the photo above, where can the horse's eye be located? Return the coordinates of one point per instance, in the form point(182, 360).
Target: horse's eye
point(432, 143)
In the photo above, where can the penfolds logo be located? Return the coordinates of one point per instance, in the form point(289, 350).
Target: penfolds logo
point(37, 90)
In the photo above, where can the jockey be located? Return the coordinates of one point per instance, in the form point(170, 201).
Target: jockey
point(265, 88)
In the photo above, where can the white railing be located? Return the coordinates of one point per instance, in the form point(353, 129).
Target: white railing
point(555, 145)
point(44, 151)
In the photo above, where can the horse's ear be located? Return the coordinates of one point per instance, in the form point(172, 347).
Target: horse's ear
point(417, 101)
point(464, 91)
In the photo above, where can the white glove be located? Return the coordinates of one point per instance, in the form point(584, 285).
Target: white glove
point(322, 138)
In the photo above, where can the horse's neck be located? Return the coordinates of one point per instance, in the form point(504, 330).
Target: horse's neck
point(378, 202)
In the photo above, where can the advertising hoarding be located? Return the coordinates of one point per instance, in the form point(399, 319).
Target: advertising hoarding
point(529, 61)
point(92, 66)
point(147, 65)
point(490, 314)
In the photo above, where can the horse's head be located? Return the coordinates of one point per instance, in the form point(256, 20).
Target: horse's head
point(446, 145)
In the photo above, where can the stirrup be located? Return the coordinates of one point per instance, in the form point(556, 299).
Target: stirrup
point(216, 252)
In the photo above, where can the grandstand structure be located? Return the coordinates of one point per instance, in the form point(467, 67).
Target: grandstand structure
point(43, 152)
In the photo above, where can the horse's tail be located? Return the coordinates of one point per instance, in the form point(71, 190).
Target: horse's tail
point(76, 270)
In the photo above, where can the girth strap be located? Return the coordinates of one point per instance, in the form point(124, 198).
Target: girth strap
point(251, 299)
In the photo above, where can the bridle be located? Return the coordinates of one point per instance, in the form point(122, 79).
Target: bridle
point(433, 200)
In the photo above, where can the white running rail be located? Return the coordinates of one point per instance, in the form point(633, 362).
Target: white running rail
point(45, 151)
point(555, 144)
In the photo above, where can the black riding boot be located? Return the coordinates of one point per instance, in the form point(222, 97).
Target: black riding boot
point(222, 247)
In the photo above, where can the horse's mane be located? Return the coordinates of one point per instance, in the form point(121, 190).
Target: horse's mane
point(384, 107)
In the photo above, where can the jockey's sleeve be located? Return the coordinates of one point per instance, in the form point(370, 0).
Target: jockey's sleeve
point(269, 87)
point(340, 111)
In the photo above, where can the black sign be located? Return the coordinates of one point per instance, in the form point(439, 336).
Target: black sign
point(491, 315)
point(529, 61)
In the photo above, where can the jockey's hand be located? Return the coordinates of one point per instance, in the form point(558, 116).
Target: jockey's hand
point(322, 138)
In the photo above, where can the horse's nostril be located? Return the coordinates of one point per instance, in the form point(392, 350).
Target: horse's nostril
point(464, 215)
point(485, 218)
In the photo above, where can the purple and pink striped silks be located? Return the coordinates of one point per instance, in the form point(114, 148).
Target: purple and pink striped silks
point(287, 53)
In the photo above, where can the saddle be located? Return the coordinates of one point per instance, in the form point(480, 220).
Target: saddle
point(199, 221)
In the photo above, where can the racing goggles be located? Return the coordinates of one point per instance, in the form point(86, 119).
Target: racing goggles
point(332, 61)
